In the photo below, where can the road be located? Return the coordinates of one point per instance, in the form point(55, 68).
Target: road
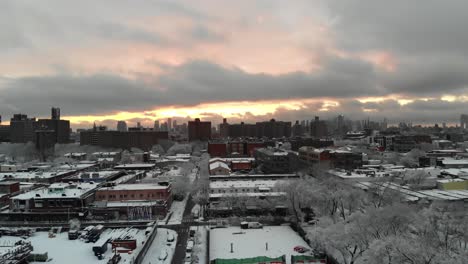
point(187, 220)
point(183, 233)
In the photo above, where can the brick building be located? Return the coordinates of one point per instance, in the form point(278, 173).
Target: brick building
point(143, 140)
point(58, 201)
point(271, 160)
point(134, 201)
point(199, 130)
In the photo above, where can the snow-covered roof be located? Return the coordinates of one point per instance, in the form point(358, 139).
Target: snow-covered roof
point(105, 153)
point(75, 154)
point(218, 164)
point(248, 243)
point(32, 175)
point(455, 161)
point(244, 184)
point(95, 174)
point(77, 166)
point(247, 194)
point(58, 190)
point(451, 180)
point(138, 166)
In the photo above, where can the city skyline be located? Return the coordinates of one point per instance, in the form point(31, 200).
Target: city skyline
point(301, 59)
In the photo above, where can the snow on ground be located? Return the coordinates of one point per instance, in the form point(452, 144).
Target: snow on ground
point(249, 243)
point(201, 242)
point(174, 171)
point(177, 210)
point(62, 250)
point(159, 245)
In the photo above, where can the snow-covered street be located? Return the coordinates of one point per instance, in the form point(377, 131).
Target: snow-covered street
point(163, 246)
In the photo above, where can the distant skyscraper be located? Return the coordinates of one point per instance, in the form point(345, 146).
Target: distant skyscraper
point(318, 128)
point(199, 130)
point(22, 128)
point(464, 121)
point(121, 126)
point(169, 124)
point(224, 129)
point(163, 127)
point(55, 113)
point(138, 125)
point(174, 125)
point(156, 125)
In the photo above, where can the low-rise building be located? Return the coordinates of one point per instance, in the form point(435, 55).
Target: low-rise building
point(219, 168)
point(272, 160)
point(57, 201)
point(133, 201)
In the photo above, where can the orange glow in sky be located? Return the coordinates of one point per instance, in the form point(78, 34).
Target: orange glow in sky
point(224, 109)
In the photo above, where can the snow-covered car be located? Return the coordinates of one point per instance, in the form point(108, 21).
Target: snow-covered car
point(188, 257)
point(170, 237)
point(190, 245)
point(163, 255)
point(301, 249)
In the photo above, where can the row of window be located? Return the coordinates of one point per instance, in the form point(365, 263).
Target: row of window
point(237, 190)
point(124, 196)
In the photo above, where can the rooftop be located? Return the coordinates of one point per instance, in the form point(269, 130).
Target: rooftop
point(270, 241)
point(58, 190)
point(218, 164)
point(245, 184)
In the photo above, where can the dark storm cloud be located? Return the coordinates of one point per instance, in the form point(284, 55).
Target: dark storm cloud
point(427, 38)
point(75, 94)
point(202, 81)
point(407, 27)
point(189, 84)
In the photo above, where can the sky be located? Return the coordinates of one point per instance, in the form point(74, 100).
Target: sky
point(142, 60)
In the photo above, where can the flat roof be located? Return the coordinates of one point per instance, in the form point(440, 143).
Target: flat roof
point(245, 183)
point(247, 194)
point(248, 243)
point(455, 161)
point(58, 190)
point(136, 165)
point(33, 174)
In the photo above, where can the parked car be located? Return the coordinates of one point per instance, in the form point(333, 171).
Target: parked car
point(192, 231)
point(251, 225)
point(301, 249)
point(188, 257)
point(170, 237)
point(189, 246)
point(163, 255)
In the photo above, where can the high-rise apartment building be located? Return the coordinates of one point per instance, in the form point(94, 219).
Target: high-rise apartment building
point(464, 121)
point(122, 126)
point(156, 125)
point(22, 129)
point(318, 128)
point(169, 124)
point(199, 130)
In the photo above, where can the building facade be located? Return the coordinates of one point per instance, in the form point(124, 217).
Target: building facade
point(143, 140)
point(199, 130)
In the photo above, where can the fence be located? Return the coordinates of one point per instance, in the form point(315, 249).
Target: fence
point(141, 256)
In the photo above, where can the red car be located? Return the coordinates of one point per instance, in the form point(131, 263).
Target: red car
point(301, 249)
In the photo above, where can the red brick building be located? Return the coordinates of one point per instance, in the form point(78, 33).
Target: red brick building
point(134, 201)
point(217, 149)
point(199, 130)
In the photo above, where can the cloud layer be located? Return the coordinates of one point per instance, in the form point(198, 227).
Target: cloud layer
point(400, 60)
